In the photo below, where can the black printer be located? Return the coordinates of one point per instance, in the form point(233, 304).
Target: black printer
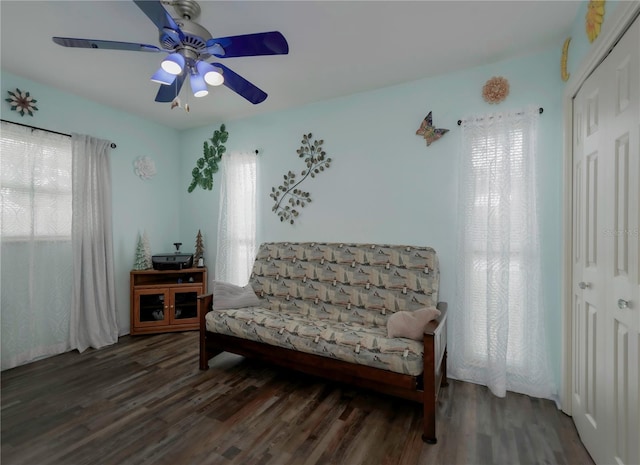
point(172, 261)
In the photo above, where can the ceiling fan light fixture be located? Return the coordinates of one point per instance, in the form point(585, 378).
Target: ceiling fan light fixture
point(212, 75)
point(173, 63)
point(162, 77)
point(198, 86)
point(187, 43)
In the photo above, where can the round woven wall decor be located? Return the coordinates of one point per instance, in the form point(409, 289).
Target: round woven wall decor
point(495, 89)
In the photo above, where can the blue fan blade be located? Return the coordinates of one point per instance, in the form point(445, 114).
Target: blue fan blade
point(241, 86)
point(261, 43)
point(104, 44)
point(160, 17)
point(168, 92)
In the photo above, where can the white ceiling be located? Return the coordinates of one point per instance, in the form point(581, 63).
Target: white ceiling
point(336, 48)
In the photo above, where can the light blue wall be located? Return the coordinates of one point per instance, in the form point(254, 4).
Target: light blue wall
point(137, 205)
point(385, 184)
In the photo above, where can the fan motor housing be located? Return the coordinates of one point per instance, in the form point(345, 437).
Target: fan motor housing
point(195, 36)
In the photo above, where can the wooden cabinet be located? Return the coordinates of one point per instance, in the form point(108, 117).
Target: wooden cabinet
point(166, 300)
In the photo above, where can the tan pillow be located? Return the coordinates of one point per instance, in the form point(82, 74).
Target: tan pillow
point(411, 324)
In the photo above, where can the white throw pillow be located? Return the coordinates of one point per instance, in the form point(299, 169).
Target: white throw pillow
point(227, 295)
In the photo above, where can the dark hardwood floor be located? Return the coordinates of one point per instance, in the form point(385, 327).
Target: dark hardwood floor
point(144, 400)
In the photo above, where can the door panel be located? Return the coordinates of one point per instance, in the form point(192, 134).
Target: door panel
point(592, 211)
point(592, 112)
point(591, 372)
point(621, 207)
point(578, 351)
point(621, 391)
point(578, 231)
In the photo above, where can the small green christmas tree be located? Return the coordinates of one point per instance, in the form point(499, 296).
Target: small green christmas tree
point(199, 247)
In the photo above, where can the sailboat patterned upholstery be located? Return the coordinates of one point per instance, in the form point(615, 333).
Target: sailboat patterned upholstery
point(334, 300)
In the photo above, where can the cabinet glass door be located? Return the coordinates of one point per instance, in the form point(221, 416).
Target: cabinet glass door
point(185, 305)
point(152, 306)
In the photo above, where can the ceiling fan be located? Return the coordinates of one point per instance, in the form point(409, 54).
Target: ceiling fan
point(188, 46)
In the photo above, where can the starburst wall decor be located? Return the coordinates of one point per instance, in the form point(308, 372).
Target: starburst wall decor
point(22, 102)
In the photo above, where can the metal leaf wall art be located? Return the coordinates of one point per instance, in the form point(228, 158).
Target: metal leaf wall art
point(316, 162)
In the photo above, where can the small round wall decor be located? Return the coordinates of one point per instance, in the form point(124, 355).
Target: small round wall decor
point(144, 167)
point(495, 89)
point(22, 102)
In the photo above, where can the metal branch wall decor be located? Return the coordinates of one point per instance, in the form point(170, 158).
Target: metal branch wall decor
point(316, 162)
point(208, 163)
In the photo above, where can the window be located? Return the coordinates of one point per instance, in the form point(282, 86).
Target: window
point(36, 184)
point(500, 179)
point(237, 219)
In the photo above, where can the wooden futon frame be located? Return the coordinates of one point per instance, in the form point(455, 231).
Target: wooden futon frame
point(423, 389)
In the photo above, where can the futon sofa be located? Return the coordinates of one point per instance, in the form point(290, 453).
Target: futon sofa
point(326, 309)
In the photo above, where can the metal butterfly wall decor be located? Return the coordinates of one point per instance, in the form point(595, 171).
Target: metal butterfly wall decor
point(430, 133)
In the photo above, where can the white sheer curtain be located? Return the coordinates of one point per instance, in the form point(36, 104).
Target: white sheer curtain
point(237, 220)
point(498, 324)
point(36, 267)
point(93, 311)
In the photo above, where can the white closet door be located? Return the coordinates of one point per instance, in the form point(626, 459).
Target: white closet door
point(606, 281)
point(622, 67)
point(589, 280)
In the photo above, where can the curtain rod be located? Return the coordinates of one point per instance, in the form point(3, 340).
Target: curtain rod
point(113, 146)
point(540, 110)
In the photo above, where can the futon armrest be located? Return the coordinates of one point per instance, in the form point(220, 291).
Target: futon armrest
point(205, 304)
point(434, 325)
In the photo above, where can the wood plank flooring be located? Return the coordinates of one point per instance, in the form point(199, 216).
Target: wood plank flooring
point(144, 401)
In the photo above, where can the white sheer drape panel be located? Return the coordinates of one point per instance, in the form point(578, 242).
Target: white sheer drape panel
point(35, 276)
point(236, 247)
point(498, 324)
point(93, 311)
